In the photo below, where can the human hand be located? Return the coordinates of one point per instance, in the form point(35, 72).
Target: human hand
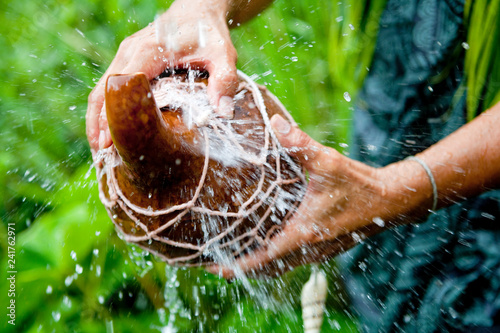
point(191, 34)
point(345, 202)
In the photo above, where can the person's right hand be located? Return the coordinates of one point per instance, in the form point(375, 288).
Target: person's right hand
point(190, 34)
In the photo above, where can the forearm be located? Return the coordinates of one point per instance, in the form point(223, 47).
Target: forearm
point(467, 162)
point(464, 164)
point(243, 10)
point(232, 12)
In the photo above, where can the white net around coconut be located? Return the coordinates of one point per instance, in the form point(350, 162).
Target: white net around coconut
point(217, 135)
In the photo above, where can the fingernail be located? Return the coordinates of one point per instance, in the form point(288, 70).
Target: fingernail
point(280, 125)
point(102, 138)
point(226, 107)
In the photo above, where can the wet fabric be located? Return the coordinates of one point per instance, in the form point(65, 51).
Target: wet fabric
point(443, 274)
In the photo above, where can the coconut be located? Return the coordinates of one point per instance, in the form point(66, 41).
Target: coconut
point(189, 186)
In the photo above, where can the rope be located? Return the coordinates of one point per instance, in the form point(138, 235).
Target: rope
point(113, 197)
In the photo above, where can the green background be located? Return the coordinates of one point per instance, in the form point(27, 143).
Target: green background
point(73, 272)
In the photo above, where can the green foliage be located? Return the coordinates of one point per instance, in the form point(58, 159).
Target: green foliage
point(482, 60)
point(74, 274)
point(313, 57)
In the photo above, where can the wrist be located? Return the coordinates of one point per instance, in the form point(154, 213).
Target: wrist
point(430, 175)
point(410, 194)
point(217, 9)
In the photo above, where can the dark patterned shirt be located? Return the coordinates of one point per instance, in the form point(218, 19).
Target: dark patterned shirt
point(442, 274)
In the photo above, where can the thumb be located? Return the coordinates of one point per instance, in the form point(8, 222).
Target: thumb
point(297, 143)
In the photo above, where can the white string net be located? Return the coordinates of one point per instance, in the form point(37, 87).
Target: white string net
point(222, 230)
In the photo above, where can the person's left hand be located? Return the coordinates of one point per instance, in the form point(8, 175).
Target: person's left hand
point(345, 202)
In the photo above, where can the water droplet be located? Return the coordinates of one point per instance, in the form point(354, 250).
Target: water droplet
point(356, 237)
point(68, 281)
point(56, 315)
point(347, 97)
point(378, 221)
point(48, 290)
point(80, 32)
point(78, 269)
point(267, 73)
point(465, 45)
point(72, 107)
point(488, 216)
point(67, 301)
point(362, 265)
point(453, 313)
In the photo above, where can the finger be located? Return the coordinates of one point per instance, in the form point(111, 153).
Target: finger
point(96, 107)
point(150, 68)
point(222, 84)
point(95, 103)
point(104, 133)
point(291, 238)
point(307, 254)
point(301, 146)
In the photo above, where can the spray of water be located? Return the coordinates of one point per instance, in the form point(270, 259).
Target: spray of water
point(232, 148)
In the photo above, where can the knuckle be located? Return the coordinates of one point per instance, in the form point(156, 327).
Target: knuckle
point(229, 77)
point(327, 162)
point(125, 43)
point(231, 52)
point(96, 94)
point(301, 139)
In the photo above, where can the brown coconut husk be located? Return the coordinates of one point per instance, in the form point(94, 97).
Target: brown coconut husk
point(186, 185)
